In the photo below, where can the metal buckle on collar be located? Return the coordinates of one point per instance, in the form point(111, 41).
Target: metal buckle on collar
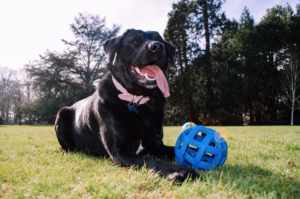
point(132, 106)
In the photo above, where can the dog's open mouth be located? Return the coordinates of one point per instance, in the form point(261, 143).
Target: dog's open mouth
point(143, 73)
point(151, 76)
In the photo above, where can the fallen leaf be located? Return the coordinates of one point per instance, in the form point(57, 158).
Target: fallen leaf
point(292, 164)
point(150, 171)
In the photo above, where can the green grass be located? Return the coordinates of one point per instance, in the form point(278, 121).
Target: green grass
point(263, 162)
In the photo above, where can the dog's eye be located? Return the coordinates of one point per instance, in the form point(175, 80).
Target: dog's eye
point(134, 41)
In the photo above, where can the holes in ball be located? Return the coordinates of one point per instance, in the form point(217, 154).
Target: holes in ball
point(213, 144)
point(192, 150)
point(208, 158)
point(193, 147)
point(201, 134)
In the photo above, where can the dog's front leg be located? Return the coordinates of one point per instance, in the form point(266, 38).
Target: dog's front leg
point(168, 170)
point(121, 155)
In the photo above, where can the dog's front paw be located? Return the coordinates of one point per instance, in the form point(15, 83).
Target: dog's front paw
point(181, 175)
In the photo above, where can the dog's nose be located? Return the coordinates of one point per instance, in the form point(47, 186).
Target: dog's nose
point(156, 47)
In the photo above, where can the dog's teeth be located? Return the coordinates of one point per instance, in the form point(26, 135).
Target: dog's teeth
point(146, 76)
point(137, 70)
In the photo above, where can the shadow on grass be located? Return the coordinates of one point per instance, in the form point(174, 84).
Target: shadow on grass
point(256, 181)
point(248, 180)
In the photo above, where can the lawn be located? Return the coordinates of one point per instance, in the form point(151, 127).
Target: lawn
point(263, 162)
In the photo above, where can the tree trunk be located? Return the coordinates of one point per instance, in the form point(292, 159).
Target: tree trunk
point(292, 117)
point(206, 29)
point(208, 68)
point(189, 96)
point(293, 108)
point(251, 115)
point(6, 119)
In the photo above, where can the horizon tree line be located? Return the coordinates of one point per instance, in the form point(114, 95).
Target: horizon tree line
point(247, 73)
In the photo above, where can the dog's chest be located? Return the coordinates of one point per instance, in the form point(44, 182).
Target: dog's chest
point(147, 127)
point(146, 141)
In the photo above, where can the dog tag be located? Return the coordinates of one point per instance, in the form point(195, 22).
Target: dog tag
point(132, 108)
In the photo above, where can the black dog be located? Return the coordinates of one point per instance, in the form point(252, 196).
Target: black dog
point(125, 114)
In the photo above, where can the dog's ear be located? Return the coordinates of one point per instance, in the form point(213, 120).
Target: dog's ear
point(111, 46)
point(170, 50)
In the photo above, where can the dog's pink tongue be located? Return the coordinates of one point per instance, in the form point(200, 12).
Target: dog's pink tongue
point(160, 79)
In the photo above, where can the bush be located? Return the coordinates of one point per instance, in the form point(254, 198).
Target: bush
point(29, 122)
point(2, 121)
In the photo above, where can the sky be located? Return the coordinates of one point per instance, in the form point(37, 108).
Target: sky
point(30, 27)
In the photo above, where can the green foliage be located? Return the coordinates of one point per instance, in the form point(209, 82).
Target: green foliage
point(56, 87)
point(2, 121)
point(61, 79)
point(246, 73)
point(228, 87)
point(11, 94)
point(90, 33)
point(181, 76)
point(192, 73)
point(31, 165)
point(237, 78)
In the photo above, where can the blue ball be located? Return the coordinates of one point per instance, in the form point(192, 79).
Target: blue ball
point(201, 148)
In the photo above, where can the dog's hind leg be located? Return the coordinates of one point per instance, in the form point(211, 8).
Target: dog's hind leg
point(63, 130)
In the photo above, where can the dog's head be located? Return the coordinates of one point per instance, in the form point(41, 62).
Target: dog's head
point(139, 60)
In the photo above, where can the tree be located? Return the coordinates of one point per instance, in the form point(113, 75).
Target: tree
point(208, 21)
point(11, 95)
point(190, 79)
point(18, 100)
point(7, 81)
point(228, 87)
point(291, 68)
point(252, 70)
point(272, 42)
point(2, 121)
point(90, 33)
point(291, 82)
point(61, 79)
point(55, 86)
point(181, 75)
point(237, 74)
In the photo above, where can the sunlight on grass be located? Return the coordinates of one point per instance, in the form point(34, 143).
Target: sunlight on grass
point(263, 162)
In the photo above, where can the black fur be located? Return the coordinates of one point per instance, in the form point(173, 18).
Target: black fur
point(103, 125)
